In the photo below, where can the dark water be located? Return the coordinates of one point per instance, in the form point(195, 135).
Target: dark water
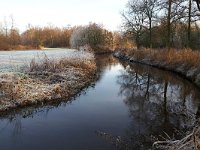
point(127, 108)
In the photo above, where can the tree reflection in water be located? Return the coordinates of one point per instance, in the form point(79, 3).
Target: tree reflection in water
point(15, 117)
point(159, 104)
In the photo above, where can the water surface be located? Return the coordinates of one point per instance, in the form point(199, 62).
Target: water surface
point(133, 103)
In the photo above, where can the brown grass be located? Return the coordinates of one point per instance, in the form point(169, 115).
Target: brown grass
point(56, 66)
point(185, 56)
point(47, 80)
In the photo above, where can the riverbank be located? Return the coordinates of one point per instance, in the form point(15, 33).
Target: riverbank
point(141, 98)
point(47, 80)
point(184, 62)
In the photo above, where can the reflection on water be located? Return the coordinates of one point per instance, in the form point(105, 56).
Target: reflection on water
point(126, 108)
point(159, 103)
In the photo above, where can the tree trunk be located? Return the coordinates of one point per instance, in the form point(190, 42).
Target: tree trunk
point(137, 40)
point(169, 25)
point(198, 4)
point(189, 24)
point(165, 101)
point(148, 84)
point(150, 32)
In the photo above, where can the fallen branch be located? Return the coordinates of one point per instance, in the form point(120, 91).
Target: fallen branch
point(190, 141)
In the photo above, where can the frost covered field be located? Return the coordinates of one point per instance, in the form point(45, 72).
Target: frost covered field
point(31, 77)
point(14, 60)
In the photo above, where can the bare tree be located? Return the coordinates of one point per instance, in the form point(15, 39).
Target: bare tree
point(150, 8)
point(189, 22)
point(133, 20)
point(6, 26)
point(14, 36)
point(92, 37)
point(169, 24)
point(198, 4)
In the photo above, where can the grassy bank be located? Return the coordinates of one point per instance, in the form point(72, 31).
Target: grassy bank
point(184, 62)
point(48, 80)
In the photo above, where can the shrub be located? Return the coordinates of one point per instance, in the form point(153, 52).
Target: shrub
point(93, 36)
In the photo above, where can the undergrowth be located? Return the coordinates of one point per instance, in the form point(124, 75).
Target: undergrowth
point(184, 56)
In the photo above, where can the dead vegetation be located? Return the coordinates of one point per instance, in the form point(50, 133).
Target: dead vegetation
point(185, 62)
point(55, 66)
point(189, 142)
point(48, 80)
point(184, 56)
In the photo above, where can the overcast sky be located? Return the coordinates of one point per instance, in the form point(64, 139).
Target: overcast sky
point(63, 12)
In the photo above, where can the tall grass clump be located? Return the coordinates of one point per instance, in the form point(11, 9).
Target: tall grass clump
point(56, 66)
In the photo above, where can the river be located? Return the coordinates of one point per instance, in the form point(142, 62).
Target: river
point(128, 107)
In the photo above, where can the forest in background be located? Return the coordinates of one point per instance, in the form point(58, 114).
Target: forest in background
point(145, 23)
point(94, 35)
point(163, 23)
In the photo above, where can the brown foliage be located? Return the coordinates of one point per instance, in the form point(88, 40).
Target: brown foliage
point(172, 57)
point(47, 80)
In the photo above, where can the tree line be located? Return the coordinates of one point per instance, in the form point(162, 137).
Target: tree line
point(98, 38)
point(33, 37)
point(93, 35)
point(163, 23)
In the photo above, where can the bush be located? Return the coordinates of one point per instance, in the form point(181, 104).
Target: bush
point(93, 36)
